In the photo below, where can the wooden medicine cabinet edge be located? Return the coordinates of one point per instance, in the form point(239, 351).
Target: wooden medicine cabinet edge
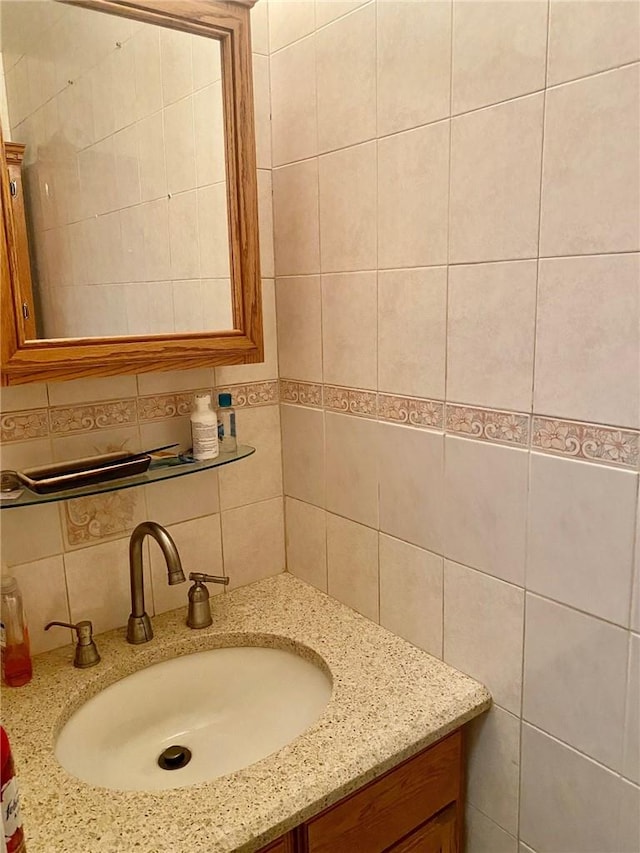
point(24, 359)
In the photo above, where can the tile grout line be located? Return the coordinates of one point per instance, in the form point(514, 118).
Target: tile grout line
point(489, 262)
point(459, 115)
point(531, 422)
point(377, 225)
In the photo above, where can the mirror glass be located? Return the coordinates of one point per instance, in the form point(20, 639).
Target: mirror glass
point(124, 171)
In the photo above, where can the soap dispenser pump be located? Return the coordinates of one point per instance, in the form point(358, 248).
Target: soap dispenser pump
point(199, 615)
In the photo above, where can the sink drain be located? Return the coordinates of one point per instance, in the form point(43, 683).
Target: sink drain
point(174, 757)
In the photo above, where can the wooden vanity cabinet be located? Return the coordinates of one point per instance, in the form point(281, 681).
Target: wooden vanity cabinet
point(416, 807)
point(286, 844)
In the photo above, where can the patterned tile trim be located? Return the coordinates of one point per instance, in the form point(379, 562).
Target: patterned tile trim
point(489, 425)
point(20, 426)
point(351, 400)
point(163, 406)
point(99, 517)
point(592, 442)
point(410, 410)
point(252, 393)
point(159, 407)
point(587, 441)
point(303, 393)
point(72, 419)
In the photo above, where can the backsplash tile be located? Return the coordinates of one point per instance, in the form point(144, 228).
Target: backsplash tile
point(483, 631)
point(253, 538)
point(350, 401)
point(574, 785)
point(98, 584)
point(580, 535)
point(589, 37)
point(351, 471)
point(352, 561)
point(587, 441)
point(259, 477)
point(45, 599)
point(485, 507)
point(606, 445)
point(411, 593)
point(253, 394)
point(19, 397)
point(306, 542)
point(162, 406)
point(410, 466)
point(558, 684)
point(20, 426)
point(407, 410)
point(506, 427)
point(492, 58)
point(303, 393)
point(96, 517)
point(91, 417)
point(494, 757)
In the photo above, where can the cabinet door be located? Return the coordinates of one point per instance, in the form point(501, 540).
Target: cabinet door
point(374, 818)
point(282, 845)
point(436, 836)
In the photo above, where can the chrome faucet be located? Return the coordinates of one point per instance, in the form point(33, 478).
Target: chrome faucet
point(139, 628)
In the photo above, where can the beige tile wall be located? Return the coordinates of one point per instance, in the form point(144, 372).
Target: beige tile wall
point(457, 330)
point(456, 209)
point(71, 558)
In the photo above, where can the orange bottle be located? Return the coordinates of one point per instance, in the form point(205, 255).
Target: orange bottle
point(14, 636)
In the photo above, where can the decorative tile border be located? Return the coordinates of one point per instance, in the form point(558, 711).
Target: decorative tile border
point(252, 393)
point(602, 444)
point(71, 419)
point(488, 424)
point(411, 410)
point(303, 393)
point(592, 442)
point(159, 407)
point(21, 426)
point(87, 417)
point(587, 441)
point(98, 517)
point(353, 401)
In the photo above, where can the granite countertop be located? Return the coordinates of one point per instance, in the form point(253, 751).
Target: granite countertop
point(389, 701)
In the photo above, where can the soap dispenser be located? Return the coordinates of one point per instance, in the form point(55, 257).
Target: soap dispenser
point(199, 615)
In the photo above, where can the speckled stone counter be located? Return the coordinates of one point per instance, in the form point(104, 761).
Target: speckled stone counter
point(389, 701)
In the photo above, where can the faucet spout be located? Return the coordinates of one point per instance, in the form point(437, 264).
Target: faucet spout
point(139, 628)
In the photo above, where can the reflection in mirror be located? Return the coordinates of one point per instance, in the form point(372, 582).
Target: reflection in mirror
point(124, 171)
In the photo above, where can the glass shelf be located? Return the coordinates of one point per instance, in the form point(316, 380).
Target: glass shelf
point(158, 470)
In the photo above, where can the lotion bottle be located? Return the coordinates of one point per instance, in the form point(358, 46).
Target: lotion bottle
point(204, 428)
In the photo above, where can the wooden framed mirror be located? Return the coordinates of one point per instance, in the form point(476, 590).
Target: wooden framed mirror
point(132, 264)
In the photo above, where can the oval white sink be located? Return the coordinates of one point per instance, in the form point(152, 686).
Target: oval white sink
point(230, 707)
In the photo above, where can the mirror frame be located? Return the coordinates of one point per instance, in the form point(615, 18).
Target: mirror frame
point(28, 360)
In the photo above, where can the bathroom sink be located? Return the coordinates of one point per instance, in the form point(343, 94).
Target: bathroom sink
point(226, 707)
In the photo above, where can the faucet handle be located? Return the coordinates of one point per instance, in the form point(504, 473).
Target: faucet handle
point(199, 615)
point(86, 650)
point(199, 577)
